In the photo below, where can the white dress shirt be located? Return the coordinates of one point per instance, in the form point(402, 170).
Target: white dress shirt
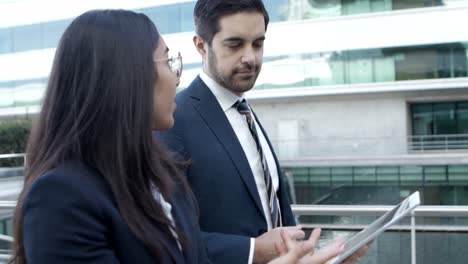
point(238, 122)
point(167, 209)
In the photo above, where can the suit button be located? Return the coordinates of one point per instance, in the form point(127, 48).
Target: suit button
point(261, 231)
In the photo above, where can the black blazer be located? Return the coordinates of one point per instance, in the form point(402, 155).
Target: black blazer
point(220, 176)
point(70, 216)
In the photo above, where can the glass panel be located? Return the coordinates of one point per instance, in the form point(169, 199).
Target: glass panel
point(416, 63)
point(315, 8)
point(53, 31)
point(186, 17)
point(435, 174)
point(411, 175)
point(381, 5)
point(405, 4)
point(320, 175)
point(341, 175)
point(387, 175)
point(5, 40)
point(355, 6)
point(27, 37)
point(338, 73)
point(360, 71)
point(462, 119)
point(384, 69)
point(422, 119)
point(9, 226)
point(459, 64)
point(6, 95)
point(30, 92)
point(167, 18)
point(299, 174)
point(444, 119)
point(365, 175)
point(458, 174)
point(277, 10)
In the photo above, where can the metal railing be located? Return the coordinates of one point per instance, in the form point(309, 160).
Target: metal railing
point(321, 147)
point(437, 143)
point(14, 155)
point(374, 210)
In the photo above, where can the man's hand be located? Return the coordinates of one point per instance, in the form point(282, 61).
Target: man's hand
point(265, 245)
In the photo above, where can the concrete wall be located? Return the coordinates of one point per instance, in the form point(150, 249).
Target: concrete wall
point(344, 125)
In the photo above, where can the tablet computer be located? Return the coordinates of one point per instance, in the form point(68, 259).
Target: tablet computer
point(378, 226)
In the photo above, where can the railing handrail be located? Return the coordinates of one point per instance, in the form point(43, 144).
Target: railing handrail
point(438, 136)
point(357, 210)
point(8, 204)
point(12, 155)
point(376, 210)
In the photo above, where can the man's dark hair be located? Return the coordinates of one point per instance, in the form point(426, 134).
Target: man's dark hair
point(207, 14)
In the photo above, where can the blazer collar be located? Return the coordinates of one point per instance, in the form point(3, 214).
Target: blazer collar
point(208, 107)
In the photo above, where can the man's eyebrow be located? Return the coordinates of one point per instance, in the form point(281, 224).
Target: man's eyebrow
point(233, 39)
point(260, 38)
point(239, 39)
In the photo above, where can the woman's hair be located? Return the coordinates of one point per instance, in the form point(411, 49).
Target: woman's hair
point(98, 108)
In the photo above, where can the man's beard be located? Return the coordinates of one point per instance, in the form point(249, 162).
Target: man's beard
point(228, 81)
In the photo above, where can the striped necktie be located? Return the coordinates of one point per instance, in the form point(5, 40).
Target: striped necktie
point(244, 109)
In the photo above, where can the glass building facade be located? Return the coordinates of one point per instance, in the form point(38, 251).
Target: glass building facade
point(352, 84)
point(298, 70)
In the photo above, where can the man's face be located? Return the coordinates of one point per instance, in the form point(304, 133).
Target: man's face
point(235, 56)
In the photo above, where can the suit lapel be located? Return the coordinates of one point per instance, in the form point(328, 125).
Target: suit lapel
point(208, 107)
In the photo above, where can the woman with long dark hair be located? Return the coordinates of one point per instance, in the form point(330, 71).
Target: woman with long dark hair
point(98, 188)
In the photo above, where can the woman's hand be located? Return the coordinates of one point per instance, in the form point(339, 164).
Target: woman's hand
point(303, 252)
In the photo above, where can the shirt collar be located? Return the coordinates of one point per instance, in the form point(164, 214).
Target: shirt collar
point(225, 97)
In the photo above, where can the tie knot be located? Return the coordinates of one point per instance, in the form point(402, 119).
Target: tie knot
point(243, 107)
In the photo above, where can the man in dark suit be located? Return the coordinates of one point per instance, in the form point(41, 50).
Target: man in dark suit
point(234, 171)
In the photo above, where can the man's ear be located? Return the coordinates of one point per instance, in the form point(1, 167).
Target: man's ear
point(199, 45)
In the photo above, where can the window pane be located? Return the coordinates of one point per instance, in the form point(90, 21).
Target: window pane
point(277, 9)
point(462, 118)
point(321, 175)
point(384, 69)
point(341, 175)
point(5, 40)
point(27, 38)
point(411, 174)
point(444, 119)
point(364, 175)
point(186, 17)
point(458, 174)
point(387, 175)
point(166, 18)
point(381, 5)
point(422, 119)
point(356, 7)
point(360, 71)
point(435, 174)
point(6, 94)
point(53, 32)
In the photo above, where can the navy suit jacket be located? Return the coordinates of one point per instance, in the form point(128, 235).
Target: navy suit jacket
point(70, 216)
point(220, 175)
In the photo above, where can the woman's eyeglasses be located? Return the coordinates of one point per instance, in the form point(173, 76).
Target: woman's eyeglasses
point(175, 63)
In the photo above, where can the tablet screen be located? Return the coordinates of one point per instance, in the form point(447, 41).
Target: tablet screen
point(378, 226)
